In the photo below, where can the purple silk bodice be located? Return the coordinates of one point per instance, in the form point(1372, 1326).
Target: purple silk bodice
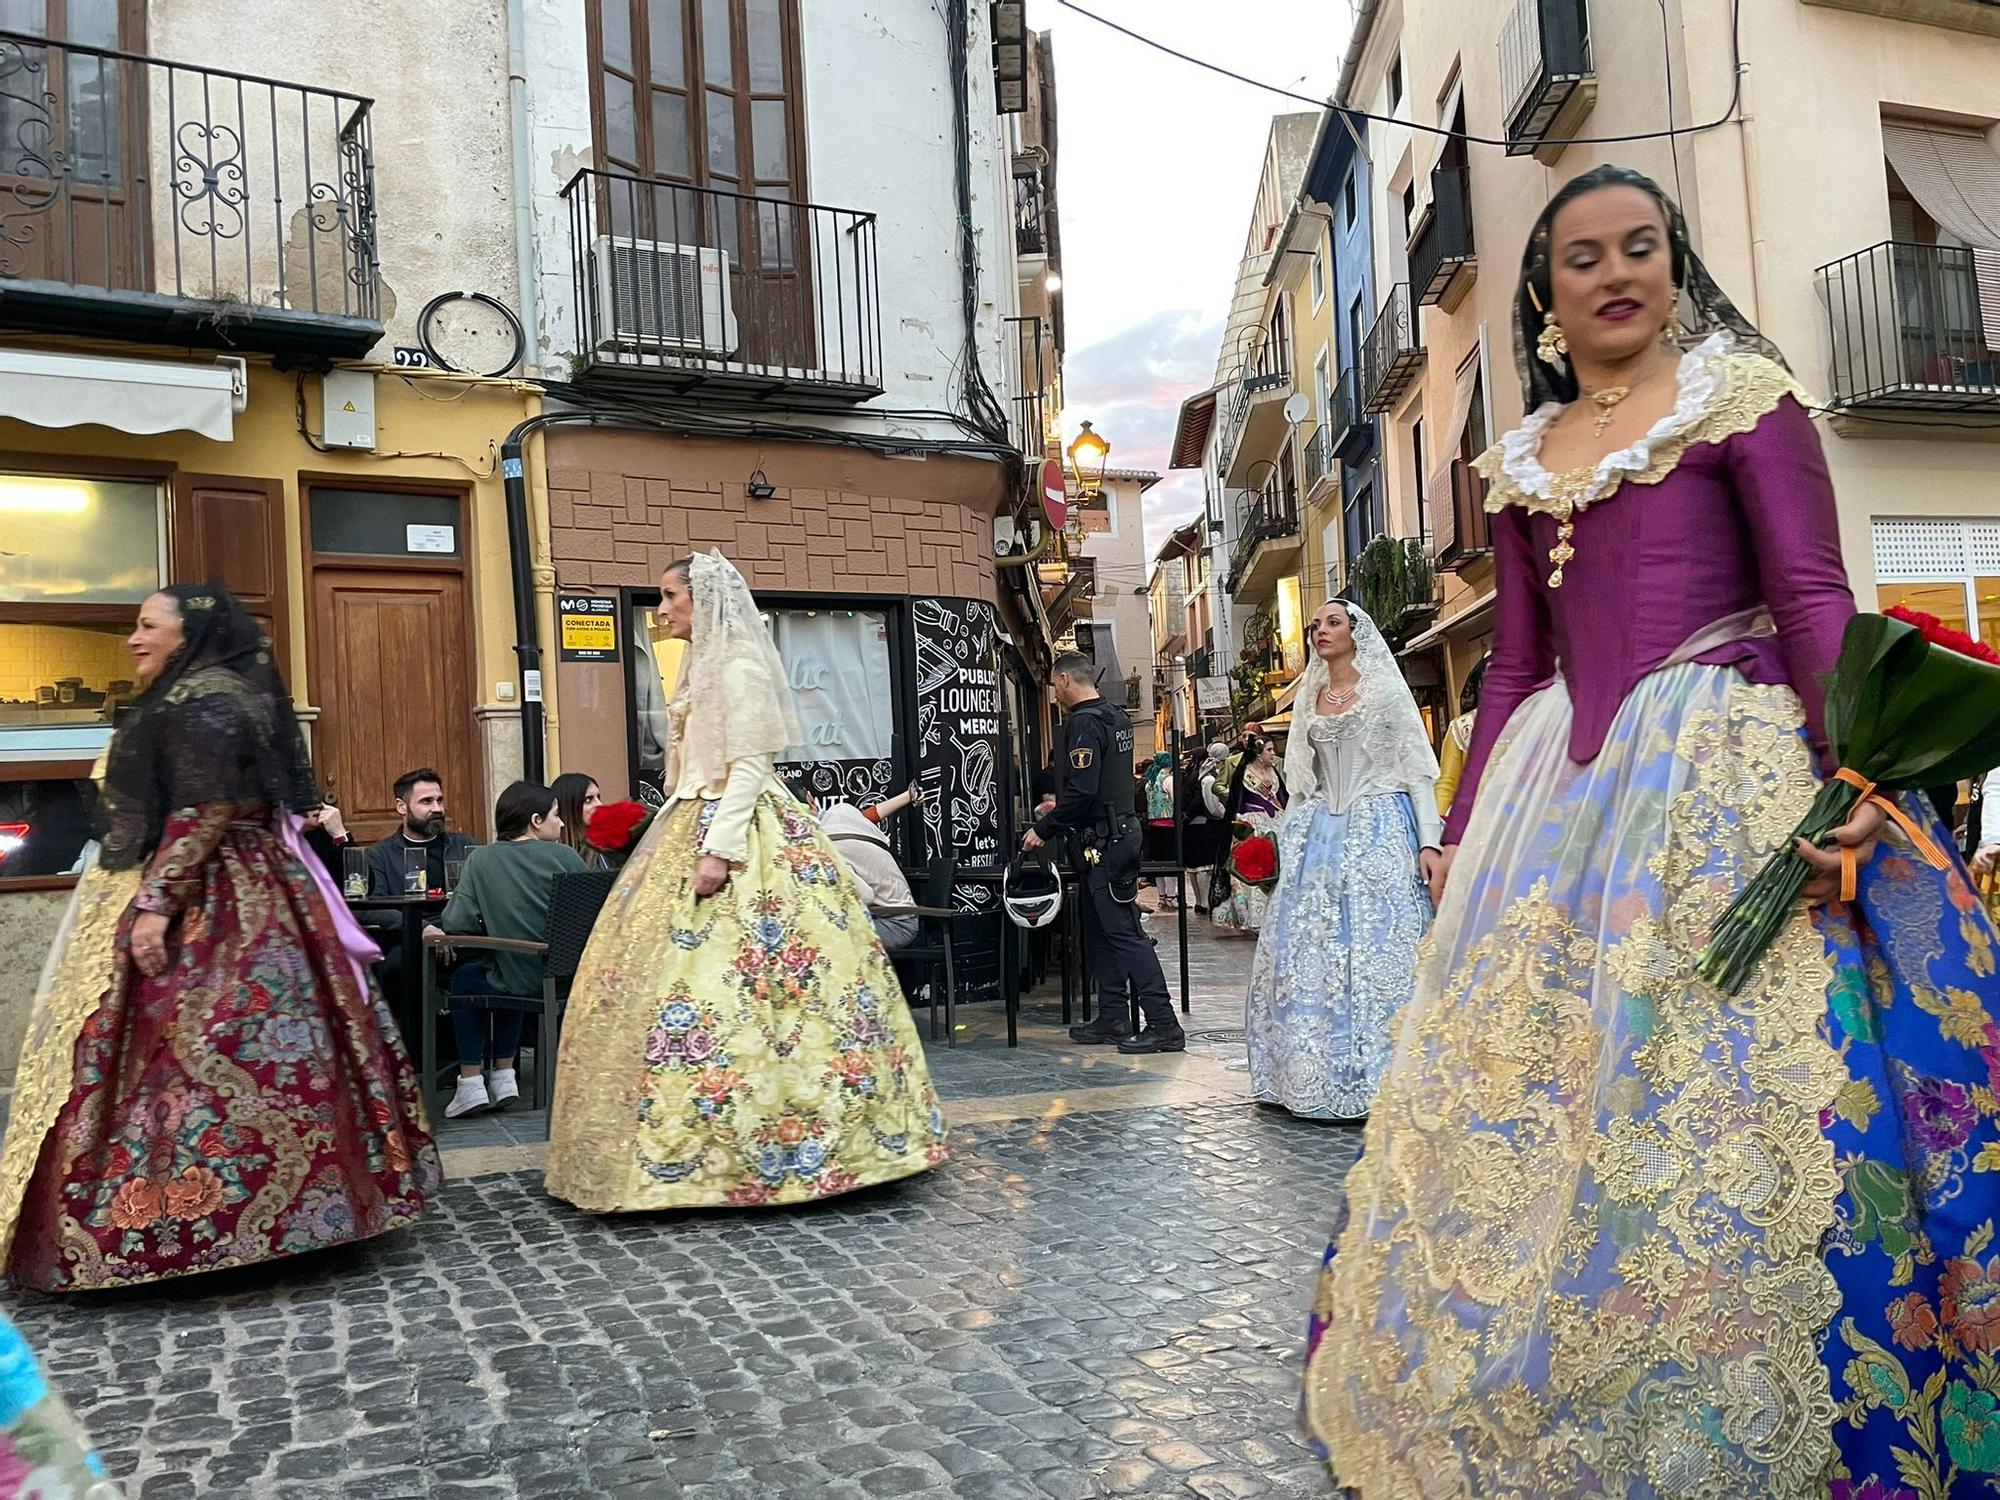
point(1744, 521)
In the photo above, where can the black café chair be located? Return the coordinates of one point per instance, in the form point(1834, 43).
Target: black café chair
point(574, 902)
point(931, 959)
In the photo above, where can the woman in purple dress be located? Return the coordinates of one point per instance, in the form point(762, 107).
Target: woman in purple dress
point(1615, 1233)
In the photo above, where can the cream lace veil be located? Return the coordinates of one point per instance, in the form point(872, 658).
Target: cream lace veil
point(1398, 752)
point(735, 696)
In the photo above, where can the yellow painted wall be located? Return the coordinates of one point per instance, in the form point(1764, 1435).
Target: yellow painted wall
point(428, 428)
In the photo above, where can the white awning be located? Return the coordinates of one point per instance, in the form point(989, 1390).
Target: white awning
point(130, 395)
point(1956, 179)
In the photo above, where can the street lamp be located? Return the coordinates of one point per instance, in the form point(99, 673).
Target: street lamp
point(1086, 459)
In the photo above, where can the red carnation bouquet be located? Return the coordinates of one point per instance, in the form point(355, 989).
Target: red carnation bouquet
point(1912, 703)
point(1254, 860)
point(616, 828)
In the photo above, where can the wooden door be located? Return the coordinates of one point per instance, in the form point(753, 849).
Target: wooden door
point(392, 678)
point(231, 530)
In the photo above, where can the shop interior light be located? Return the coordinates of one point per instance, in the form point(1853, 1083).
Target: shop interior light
point(12, 837)
point(26, 494)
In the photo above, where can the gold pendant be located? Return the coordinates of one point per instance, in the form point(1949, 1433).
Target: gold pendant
point(1562, 551)
point(1606, 401)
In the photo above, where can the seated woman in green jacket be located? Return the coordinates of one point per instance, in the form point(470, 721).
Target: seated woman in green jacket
point(503, 893)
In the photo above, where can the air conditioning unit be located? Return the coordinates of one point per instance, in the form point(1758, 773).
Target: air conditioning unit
point(651, 295)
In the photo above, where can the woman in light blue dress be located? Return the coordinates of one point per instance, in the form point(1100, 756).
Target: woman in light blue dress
point(1336, 959)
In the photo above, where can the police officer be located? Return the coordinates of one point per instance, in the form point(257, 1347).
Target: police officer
point(1095, 813)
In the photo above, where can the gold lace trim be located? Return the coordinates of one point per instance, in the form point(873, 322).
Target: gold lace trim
point(1751, 388)
point(1679, 1132)
point(80, 970)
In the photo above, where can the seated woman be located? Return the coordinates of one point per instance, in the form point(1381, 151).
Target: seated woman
point(504, 893)
point(577, 797)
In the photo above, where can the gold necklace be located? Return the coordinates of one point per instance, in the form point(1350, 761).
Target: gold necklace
point(1606, 401)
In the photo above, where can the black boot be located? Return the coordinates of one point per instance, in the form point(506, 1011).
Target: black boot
point(1093, 1034)
point(1154, 1039)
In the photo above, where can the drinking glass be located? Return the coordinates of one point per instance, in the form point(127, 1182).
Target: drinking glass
point(454, 871)
point(416, 871)
point(354, 873)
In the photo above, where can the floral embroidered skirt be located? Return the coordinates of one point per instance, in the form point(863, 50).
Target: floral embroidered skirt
point(1336, 959)
point(749, 1048)
point(1613, 1233)
point(254, 1101)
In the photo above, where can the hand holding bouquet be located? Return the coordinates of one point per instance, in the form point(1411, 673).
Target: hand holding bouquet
point(1911, 704)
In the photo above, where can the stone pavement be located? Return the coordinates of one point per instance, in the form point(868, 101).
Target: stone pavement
point(1102, 1293)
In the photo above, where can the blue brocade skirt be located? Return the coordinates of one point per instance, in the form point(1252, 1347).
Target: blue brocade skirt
point(1336, 958)
point(1616, 1234)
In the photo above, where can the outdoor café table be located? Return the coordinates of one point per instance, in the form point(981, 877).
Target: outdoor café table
point(407, 1007)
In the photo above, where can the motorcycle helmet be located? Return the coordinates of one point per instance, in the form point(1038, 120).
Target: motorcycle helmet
point(1031, 891)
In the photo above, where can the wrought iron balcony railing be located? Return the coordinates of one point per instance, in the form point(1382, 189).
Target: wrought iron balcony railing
point(156, 201)
point(1391, 355)
point(702, 286)
point(1030, 211)
point(1320, 461)
point(1032, 353)
point(1443, 249)
point(1908, 329)
point(1547, 77)
point(1272, 516)
point(1266, 370)
point(1346, 421)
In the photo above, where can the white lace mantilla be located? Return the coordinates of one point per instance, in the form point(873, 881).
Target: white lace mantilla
point(1719, 391)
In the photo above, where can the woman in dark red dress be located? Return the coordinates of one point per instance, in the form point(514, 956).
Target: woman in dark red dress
point(210, 1078)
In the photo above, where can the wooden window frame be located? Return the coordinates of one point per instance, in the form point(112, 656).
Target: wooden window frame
point(694, 88)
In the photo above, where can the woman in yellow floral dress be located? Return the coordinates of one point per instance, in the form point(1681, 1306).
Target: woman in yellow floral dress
point(736, 1035)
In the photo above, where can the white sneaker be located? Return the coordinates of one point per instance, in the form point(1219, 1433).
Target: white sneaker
point(505, 1089)
point(470, 1098)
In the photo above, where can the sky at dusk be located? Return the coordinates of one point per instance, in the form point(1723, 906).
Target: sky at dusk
point(1158, 171)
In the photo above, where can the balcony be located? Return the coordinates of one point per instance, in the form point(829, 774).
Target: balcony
point(1907, 330)
point(1443, 264)
point(1346, 421)
point(680, 287)
point(1981, 17)
point(1266, 544)
point(1032, 355)
point(1548, 82)
point(1459, 531)
point(1030, 214)
point(1322, 466)
point(1255, 416)
point(153, 202)
point(1391, 357)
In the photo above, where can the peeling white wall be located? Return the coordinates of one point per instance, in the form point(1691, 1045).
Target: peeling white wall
point(880, 139)
point(437, 73)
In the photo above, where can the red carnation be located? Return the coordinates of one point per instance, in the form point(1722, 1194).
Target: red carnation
point(1934, 630)
point(614, 826)
point(1255, 861)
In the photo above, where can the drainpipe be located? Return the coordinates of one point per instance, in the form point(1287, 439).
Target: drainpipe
point(521, 566)
point(524, 186)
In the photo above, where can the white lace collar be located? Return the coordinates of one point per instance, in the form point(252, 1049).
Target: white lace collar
point(1700, 376)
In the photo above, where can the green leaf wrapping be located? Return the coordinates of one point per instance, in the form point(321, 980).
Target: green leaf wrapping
point(1900, 712)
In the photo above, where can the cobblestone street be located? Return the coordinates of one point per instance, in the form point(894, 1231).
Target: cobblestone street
point(1103, 1293)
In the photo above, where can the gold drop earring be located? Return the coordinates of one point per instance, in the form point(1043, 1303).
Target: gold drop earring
point(1552, 345)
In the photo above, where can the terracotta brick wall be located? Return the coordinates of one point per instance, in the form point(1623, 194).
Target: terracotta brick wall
point(624, 504)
